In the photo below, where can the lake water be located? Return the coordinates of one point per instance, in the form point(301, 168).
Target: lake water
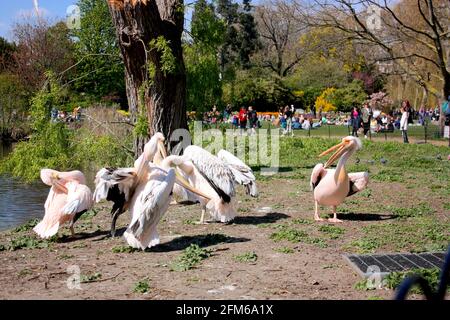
point(19, 202)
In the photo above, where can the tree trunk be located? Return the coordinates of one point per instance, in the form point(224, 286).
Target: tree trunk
point(158, 96)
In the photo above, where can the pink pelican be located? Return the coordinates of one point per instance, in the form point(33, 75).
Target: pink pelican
point(213, 179)
point(332, 186)
point(68, 199)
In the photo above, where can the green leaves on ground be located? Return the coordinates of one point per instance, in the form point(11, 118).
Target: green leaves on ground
point(190, 258)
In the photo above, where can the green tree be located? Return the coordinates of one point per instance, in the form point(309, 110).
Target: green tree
point(258, 88)
point(248, 34)
point(6, 54)
point(12, 105)
point(349, 96)
point(204, 87)
point(228, 12)
point(100, 70)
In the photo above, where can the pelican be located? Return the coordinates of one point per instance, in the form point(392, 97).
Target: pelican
point(214, 179)
point(68, 199)
point(144, 190)
point(119, 184)
point(332, 186)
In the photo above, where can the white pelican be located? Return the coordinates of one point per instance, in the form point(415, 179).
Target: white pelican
point(119, 184)
point(68, 199)
point(145, 190)
point(332, 186)
point(215, 178)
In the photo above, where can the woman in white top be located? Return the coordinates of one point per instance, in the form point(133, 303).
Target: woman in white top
point(404, 120)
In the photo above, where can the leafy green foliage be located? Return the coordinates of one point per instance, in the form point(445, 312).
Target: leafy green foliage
point(142, 286)
point(204, 87)
point(190, 258)
point(285, 250)
point(393, 280)
point(92, 277)
point(333, 231)
point(124, 249)
point(100, 70)
point(247, 257)
point(27, 242)
point(257, 87)
point(349, 96)
point(288, 234)
point(168, 63)
point(13, 105)
point(54, 145)
point(27, 226)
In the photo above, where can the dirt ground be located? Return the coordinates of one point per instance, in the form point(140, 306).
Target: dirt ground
point(304, 270)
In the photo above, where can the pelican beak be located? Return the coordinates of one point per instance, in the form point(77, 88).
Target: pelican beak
point(162, 149)
point(340, 149)
point(180, 180)
point(57, 183)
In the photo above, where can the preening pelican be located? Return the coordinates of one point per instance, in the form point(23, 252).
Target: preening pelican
point(119, 184)
point(68, 199)
point(149, 203)
point(332, 186)
point(145, 190)
point(214, 179)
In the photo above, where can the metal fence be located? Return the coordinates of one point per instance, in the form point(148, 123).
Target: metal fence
point(416, 133)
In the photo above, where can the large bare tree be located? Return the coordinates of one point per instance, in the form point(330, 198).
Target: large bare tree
point(149, 33)
point(280, 32)
point(412, 34)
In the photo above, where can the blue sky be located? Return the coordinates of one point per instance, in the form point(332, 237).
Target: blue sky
point(13, 11)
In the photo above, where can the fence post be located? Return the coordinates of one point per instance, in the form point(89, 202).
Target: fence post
point(425, 131)
point(385, 135)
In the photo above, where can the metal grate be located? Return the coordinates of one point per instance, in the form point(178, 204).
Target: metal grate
point(383, 264)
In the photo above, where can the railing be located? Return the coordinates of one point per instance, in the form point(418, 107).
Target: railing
point(416, 133)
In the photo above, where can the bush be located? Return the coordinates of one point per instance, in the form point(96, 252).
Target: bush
point(54, 145)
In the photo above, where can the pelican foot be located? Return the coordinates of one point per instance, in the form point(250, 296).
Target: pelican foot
point(335, 220)
point(318, 219)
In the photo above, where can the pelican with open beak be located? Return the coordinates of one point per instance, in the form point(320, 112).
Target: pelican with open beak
point(331, 186)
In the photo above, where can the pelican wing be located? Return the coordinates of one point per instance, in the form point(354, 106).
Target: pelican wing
point(242, 173)
point(79, 198)
point(214, 170)
point(317, 174)
point(151, 205)
point(358, 182)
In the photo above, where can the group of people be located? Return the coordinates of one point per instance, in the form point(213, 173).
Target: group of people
point(247, 118)
point(63, 116)
point(362, 119)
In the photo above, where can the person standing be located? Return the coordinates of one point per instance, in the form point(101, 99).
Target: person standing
point(366, 116)
point(404, 120)
point(253, 119)
point(356, 121)
point(243, 120)
point(288, 115)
